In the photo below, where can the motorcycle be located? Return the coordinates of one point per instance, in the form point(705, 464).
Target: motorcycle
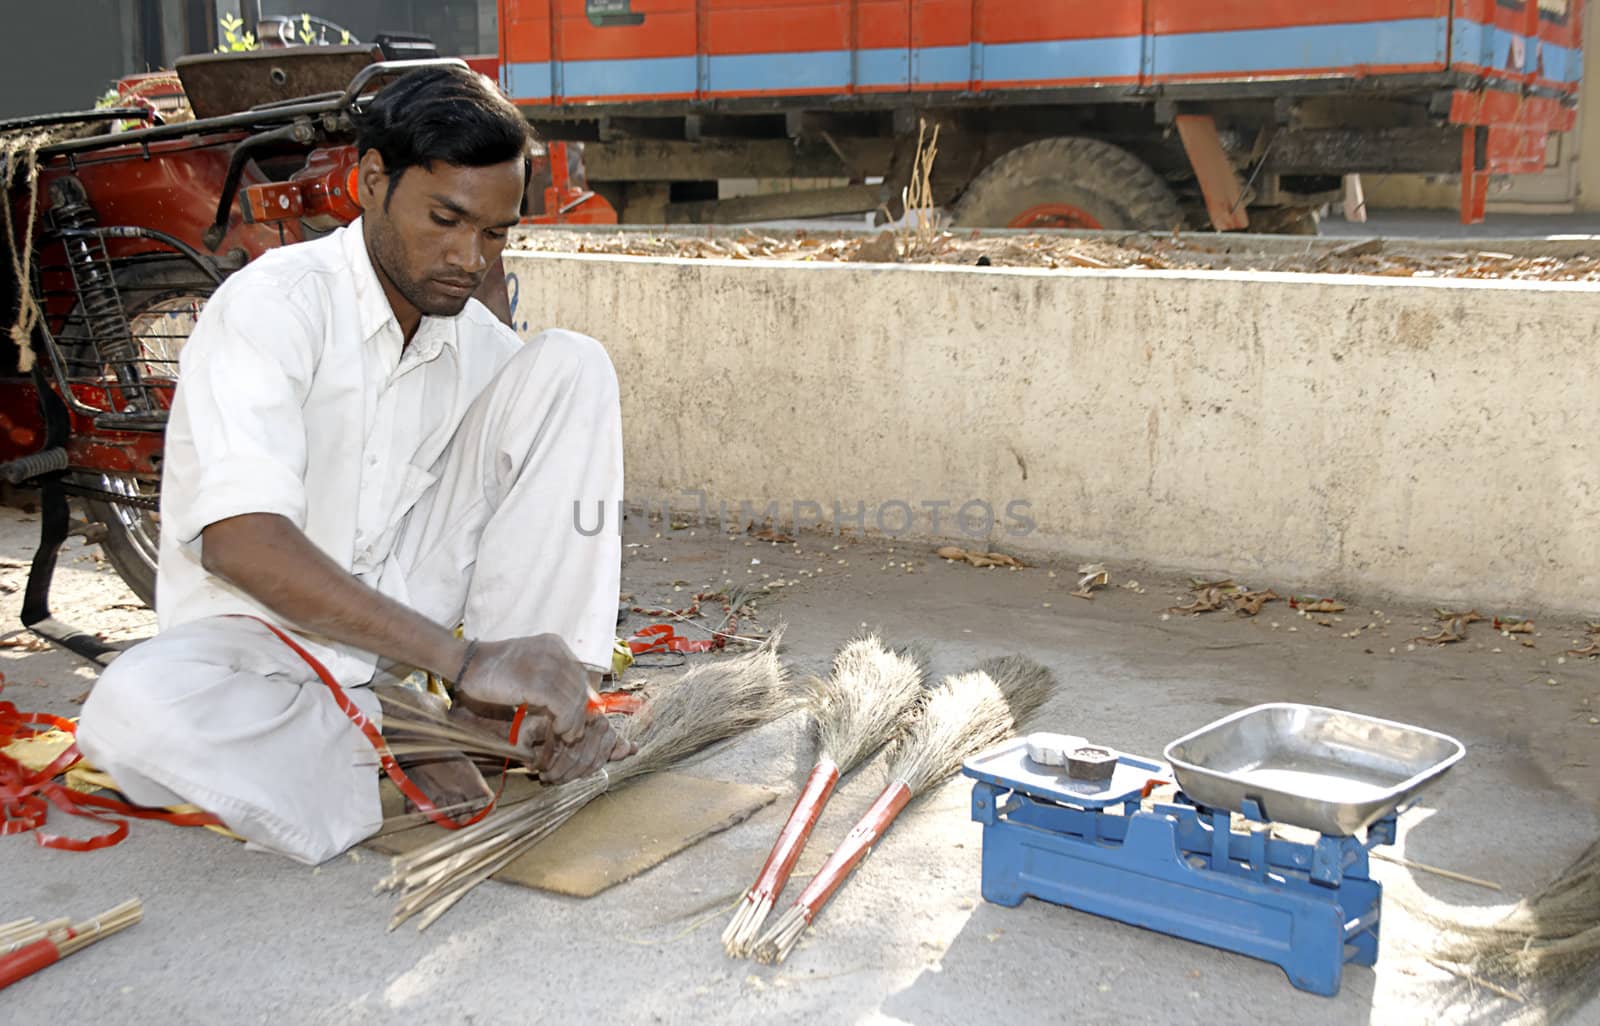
point(123, 221)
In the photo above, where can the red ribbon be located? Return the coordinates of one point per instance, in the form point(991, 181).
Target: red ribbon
point(662, 638)
point(26, 796)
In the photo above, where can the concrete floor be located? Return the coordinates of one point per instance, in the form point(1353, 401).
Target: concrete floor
point(235, 937)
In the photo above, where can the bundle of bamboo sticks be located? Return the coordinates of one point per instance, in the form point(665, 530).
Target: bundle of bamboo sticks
point(710, 703)
point(853, 710)
point(964, 715)
point(26, 946)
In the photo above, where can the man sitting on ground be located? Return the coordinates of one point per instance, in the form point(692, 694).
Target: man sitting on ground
point(360, 451)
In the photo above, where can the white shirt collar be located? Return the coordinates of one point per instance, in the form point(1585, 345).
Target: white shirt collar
point(433, 333)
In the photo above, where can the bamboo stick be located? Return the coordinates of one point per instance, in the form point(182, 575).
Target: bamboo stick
point(1448, 874)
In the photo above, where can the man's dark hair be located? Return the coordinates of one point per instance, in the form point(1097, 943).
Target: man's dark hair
point(449, 114)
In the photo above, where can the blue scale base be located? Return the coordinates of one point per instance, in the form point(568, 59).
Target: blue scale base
point(1176, 867)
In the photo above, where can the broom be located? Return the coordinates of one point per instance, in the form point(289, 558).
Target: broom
point(964, 715)
point(1550, 941)
point(853, 711)
point(56, 940)
point(708, 704)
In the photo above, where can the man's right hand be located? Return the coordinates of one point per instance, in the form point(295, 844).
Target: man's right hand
point(539, 671)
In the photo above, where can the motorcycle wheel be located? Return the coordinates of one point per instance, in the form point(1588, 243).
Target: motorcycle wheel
point(162, 299)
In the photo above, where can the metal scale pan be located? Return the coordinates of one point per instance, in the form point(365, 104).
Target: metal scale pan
point(1323, 769)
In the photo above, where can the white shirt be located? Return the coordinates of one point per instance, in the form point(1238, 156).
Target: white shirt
point(294, 398)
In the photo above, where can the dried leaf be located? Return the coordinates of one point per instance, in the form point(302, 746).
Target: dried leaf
point(1592, 649)
point(1208, 601)
point(1195, 584)
point(979, 559)
point(1004, 560)
point(1082, 594)
point(1094, 576)
point(1513, 626)
point(1323, 606)
point(1454, 629)
point(1249, 603)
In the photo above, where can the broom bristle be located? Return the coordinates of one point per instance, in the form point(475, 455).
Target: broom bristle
point(1548, 944)
point(857, 706)
point(711, 702)
point(965, 714)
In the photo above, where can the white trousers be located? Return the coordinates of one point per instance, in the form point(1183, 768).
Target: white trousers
point(220, 713)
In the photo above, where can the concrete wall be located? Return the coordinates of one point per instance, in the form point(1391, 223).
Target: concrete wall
point(1425, 439)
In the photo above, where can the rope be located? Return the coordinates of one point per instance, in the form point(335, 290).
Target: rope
point(19, 160)
point(22, 149)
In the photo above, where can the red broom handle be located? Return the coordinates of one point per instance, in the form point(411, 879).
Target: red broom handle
point(792, 838)
point(857, 843)
point(27, 961)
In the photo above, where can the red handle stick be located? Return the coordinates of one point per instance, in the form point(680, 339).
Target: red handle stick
point(857, 843)
point(27, 961)
point(776, 943)
point(763, 894)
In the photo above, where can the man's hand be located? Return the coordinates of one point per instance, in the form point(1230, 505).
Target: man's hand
point(540, 672)
point(558, 763)
point(552, 761)
point(567, 740)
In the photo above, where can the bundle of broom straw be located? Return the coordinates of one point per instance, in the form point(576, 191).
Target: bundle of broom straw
point(27, 946)
point(964, 715)
point(854, 710)
point(710, 703)
point(1549, 945)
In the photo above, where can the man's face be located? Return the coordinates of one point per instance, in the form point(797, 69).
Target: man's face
point(435, 236)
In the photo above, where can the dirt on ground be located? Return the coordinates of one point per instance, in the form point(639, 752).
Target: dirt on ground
point(1569, 262)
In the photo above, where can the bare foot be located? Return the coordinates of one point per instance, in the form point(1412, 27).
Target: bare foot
point(450, 781)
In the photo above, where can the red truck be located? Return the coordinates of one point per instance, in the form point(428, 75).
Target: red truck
point(1053, 113)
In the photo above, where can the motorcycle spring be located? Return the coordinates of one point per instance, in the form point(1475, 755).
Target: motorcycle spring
point(104, 317)
point(33, 465)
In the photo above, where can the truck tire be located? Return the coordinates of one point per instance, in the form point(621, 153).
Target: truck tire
point(162, 299)
point(1069, 183)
